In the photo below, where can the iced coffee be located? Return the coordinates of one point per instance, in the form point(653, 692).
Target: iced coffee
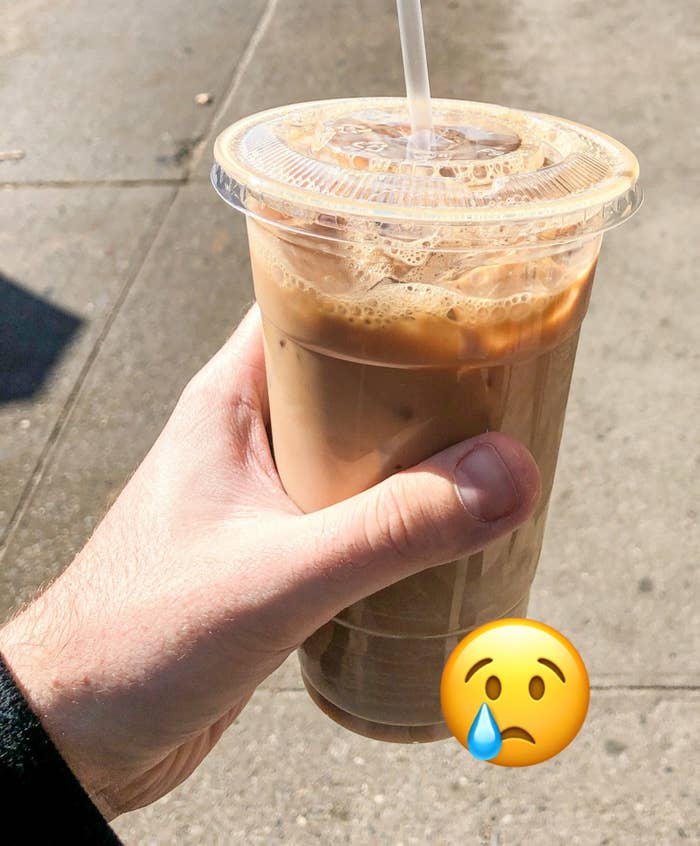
point(408, 305)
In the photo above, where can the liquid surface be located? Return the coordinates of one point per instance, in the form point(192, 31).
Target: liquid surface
point(405, 304)
point(380, 141)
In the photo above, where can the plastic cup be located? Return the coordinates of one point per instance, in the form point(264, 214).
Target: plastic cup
point(407, 305)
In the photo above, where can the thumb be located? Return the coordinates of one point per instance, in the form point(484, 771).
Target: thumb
point(449, 506)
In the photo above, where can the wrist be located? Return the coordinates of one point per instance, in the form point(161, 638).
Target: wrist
point(35, 665)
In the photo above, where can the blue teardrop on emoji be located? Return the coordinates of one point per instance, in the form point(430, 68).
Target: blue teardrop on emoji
point(484, 741)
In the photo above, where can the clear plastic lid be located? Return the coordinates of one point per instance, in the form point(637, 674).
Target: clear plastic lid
point(342, 168)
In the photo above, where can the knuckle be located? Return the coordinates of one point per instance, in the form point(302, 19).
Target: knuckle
point(195, 390)
point(390, 524)
point(214, 386)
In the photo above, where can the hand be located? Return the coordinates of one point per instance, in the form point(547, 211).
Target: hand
point(204, 576)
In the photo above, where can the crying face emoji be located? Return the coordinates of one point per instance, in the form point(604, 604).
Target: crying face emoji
point(514, 692)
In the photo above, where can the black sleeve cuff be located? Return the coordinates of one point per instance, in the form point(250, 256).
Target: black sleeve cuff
point(42, 801)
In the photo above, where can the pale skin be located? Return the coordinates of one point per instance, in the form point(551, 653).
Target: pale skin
point(204, 576)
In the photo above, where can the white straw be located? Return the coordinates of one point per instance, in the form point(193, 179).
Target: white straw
point(415, 68)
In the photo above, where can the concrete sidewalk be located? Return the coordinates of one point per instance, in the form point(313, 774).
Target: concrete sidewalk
point(112, 241)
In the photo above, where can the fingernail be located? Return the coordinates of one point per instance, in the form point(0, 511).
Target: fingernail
point(485, 484)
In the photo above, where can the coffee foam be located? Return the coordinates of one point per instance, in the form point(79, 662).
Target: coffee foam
point(375, 286)
point(469, 143)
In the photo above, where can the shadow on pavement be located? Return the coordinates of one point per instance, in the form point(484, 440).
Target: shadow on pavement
point(33, 335)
